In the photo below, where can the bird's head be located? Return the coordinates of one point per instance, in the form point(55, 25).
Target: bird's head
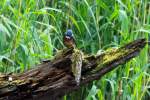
point(69, 33)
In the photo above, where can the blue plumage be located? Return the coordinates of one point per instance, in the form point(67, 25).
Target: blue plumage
point(69, 33)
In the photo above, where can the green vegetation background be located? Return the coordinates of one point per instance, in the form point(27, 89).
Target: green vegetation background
point(31, 30)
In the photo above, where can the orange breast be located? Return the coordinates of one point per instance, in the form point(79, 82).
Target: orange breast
point(68, 42)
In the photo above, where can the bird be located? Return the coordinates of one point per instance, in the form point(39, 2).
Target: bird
point(68, 39)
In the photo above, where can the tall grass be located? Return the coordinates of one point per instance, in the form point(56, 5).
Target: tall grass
point(31, 30)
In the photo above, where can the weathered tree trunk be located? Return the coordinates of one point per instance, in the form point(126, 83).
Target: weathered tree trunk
point(51, 80)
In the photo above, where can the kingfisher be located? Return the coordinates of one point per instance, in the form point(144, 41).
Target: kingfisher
point(68, 39)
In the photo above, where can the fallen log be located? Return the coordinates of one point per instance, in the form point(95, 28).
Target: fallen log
point(53, 79)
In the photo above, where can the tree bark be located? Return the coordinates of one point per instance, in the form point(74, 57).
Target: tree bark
point(52, 79)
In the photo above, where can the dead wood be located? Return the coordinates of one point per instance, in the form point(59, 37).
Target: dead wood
point(53, 79)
